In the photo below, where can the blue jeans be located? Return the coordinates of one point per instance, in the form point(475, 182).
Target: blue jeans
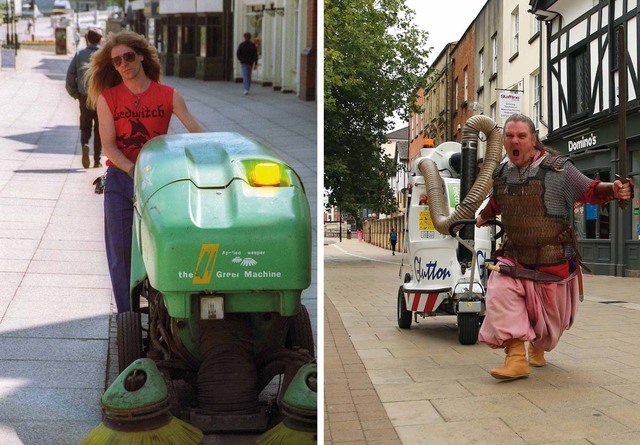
point(118, 225)
point(246, 76)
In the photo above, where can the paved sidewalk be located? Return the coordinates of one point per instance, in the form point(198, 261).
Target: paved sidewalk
point(433, 390)
point(55, 298)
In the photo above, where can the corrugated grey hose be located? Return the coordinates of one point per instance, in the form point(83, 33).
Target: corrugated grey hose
point(438, 208)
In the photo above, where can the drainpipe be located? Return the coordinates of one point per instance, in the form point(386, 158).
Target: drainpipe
point(453, 99)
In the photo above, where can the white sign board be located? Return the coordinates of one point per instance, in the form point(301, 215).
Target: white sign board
point(510, 103)
point(7, 58)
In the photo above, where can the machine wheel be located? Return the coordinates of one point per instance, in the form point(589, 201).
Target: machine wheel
point(468, 328)
point(300, 333)
point(404, 315)
point(129, 336)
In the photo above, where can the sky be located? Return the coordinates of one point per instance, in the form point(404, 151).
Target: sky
point(445, 20)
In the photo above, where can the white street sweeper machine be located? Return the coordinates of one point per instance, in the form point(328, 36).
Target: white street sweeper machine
point(446, 252)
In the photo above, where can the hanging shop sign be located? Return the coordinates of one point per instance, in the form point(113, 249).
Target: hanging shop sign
point(510, 103)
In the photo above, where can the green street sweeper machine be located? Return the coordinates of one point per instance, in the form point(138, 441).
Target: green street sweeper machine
point(221, 254)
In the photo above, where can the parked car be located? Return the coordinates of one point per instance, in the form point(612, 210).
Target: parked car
point(28, 12)
point(61, 7)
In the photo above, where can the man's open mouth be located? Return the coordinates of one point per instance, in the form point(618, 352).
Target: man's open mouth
point(515, 152)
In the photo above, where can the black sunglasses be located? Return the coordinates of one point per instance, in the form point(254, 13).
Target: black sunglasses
point(127, 57)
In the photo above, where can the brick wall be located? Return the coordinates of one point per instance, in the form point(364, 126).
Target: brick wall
point(464, 56)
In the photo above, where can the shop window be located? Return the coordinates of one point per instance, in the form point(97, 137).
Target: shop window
point(214, 39)
point(592, 221)
point(188, 35)
point(172, 36)
point(635, 209)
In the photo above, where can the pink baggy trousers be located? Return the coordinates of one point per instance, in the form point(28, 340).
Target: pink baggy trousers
point(528, 310)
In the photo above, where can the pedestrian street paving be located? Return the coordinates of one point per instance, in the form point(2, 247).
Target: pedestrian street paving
point(384, 385)
point(55, 298)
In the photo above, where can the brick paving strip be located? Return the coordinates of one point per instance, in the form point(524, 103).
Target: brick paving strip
point(353, 411)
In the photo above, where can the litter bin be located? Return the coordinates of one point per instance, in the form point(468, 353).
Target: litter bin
point(349, 234)
point(61, 40)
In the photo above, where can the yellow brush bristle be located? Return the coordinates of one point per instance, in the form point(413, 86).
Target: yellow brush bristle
point(176, 432)
point(283, 435)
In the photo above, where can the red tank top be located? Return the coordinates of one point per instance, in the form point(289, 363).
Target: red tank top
point(138, 118)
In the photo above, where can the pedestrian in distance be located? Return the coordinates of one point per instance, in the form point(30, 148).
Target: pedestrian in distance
point(248, 56)
point(29, 25)
point(77, 84)
point(535, 192)
point(393, 239)
point(133, 107)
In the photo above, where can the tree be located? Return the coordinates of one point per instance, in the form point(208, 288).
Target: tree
point(375, 59)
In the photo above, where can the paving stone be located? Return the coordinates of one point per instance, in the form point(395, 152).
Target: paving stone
point(628, 415)
point(446, 373)
point(420, 391)
point(53, 349)
point(630, 438)
point(418, 412)
point(53, 374)
point(629, 392)
point(55, 432)
point(563, 426)
point(478, 407)
point(48, 404)
point(485, 431)
point(574, 377)
point(490, 386)
point(83, 328)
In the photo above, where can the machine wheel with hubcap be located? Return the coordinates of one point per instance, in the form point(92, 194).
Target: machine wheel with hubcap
point(129, 335)
point(404, 315)
point(468, 327)
point(301, 333)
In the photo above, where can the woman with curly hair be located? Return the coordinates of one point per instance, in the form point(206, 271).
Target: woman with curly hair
point(133, 107)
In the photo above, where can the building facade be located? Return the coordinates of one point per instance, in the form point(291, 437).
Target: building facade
point(397, 148)
point(433, 122)
point(462, 82)
point(561, 59)
point(523, 61)
point(583, 77)
point(198, 38)
point(489, 51)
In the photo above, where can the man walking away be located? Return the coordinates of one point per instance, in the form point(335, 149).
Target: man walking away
point(247, 53)
point(77, 88)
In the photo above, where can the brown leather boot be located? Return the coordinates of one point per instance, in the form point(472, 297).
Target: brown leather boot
point(515, 364)
point(536, 356)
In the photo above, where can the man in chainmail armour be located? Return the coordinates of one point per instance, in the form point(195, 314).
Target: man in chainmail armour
point(534, 192)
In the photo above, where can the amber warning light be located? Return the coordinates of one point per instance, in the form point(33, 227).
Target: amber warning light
point(266, 174)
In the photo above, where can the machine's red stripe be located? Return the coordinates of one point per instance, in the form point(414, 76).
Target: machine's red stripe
point(416, 302)
point(431, 302)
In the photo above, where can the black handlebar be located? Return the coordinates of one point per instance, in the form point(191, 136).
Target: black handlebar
point(464, 222)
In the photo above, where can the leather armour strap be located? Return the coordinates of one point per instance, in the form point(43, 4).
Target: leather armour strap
point(604, 191)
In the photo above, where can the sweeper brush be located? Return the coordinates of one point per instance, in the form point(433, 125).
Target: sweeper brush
point(135, 411)
point(300, 406)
